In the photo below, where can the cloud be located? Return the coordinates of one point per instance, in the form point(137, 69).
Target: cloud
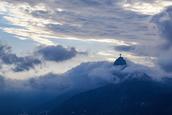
point(26, 63)
point(2, 82)
point(101, 19)
point(125, 48)
point(86, 20)
point(149, 51)
point(40, 55)
point(165, 62)
point(39, 90)
point(163, 22)
point(92, 75)
point(57, 53)
point(149, 7)
point(105, 22)
point(83, 77)
point(20, 63)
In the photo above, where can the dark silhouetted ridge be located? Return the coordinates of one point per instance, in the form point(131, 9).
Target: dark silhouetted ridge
point(131, 97)
point(120, 61)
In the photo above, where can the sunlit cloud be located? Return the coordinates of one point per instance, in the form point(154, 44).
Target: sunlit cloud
point(35, 20)
point(35, 28)
point(28, 26)
point(149, 8)
point(101, 27)
point(34, 35)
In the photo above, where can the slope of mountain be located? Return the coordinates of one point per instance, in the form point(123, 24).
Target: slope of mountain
point(131, 97)
point(97, 88)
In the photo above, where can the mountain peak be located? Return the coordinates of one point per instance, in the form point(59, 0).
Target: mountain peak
point(120, 61)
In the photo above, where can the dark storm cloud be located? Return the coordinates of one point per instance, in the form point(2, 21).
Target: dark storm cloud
point(57, 53)
point(25, 63)
point(20, 63)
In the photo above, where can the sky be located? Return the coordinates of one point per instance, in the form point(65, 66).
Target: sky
point(38, 37)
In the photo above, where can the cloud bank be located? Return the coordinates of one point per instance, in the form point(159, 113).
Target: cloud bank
point(107, 22)
point(163, 22)
point(88, 18)
point(86, 76)
point(39, 90)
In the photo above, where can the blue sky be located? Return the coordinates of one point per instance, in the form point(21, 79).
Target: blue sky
point(97, 29)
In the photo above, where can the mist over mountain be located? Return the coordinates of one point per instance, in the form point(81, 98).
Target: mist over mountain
point(61, 57)
point(92, 87)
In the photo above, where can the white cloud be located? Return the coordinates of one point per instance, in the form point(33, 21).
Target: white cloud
point(112, 22)
point(102, 19)
point(151, 7)
point(83, 77)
